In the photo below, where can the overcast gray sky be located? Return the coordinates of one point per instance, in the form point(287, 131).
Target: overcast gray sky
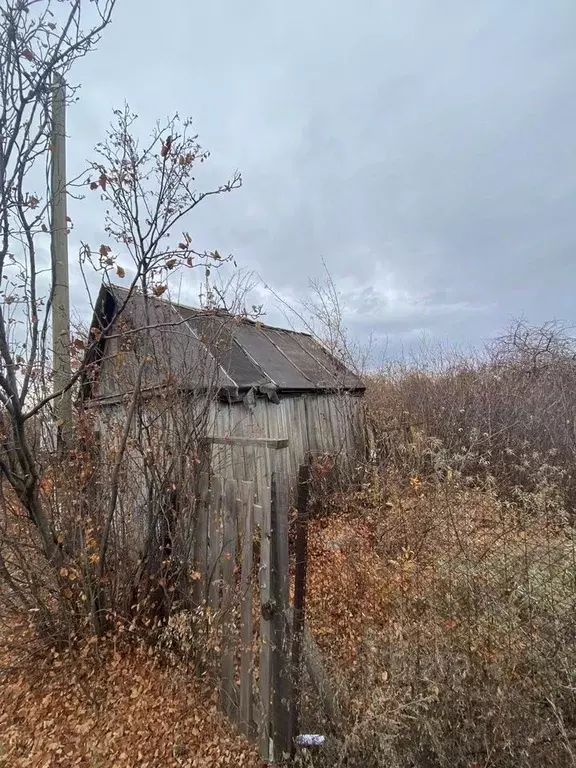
point(426, 149)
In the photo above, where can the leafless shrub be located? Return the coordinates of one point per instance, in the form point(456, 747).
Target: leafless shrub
point(506, 414)
point(97, 515)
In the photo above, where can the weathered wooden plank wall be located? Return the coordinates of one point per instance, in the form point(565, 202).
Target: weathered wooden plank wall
point(233, 585)
point(314, 424)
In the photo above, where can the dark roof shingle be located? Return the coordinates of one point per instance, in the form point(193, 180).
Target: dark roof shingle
point(235, 354)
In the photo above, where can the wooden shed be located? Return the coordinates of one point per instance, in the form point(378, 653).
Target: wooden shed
point(260, 381)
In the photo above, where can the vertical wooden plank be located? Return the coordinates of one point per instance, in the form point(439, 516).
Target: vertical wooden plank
point(321, 416)
point(201, 539)
point(318, 424)
point(264, 576)
point(215, 544)
point(289, 420)
point(221, 428)
point(311, 424)
point(353, 424)
point(262, 486)
point(330, 435)
point(229, 449)
point(237, 451)
point(217, 430)
point(280, 585)
point(290, 458)
point(230, 517)
point(247, 628)
point(357, 421)
point(266, 405)
point(284, 430)
point(249, 451)
point(340, 415)
point(257, 515)
point(298, 429)
point(261, 454)
point(349, 429)
point(309, 434)
point(330, 407)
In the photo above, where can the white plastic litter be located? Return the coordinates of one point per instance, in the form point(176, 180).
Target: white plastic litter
point(310, 740)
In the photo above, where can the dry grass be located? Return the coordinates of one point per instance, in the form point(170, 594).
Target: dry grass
point(448, 626)
point(443, 594)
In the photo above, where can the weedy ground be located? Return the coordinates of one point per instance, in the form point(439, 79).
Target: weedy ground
point(103, 708)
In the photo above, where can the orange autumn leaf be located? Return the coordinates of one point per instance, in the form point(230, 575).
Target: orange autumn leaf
point(47, 486)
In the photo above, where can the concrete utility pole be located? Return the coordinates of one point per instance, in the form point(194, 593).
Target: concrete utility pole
point(61, 290)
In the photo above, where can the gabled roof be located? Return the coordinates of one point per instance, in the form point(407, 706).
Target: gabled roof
point(237, 355)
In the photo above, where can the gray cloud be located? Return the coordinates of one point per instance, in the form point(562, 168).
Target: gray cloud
point(424, 149)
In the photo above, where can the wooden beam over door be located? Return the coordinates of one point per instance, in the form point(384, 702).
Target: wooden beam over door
point(263, 442)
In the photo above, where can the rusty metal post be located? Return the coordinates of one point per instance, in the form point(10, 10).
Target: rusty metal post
point(300, 575)
point(281, 709)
